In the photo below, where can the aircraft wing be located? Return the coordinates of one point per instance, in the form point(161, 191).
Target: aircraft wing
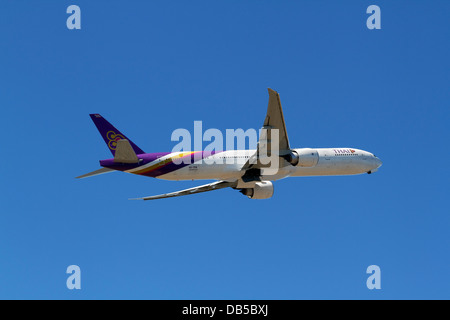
point(204, 188)
point(274, 120)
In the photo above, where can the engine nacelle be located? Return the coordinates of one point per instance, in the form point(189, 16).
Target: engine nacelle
point(262, 190)
point(306, 157)
point(292, 157)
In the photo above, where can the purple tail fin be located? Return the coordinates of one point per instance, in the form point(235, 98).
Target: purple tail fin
point(111, 135)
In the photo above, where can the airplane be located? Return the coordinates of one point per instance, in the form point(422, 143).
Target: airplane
point(246, 172)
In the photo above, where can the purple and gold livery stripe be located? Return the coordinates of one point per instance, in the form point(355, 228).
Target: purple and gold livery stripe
point(157, 164)
point(167, 165)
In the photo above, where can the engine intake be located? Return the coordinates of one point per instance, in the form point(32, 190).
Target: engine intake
point(262, 190)
point(292, 157)
point(305, 157)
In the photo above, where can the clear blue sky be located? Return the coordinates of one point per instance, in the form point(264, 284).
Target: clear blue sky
point(152, 67)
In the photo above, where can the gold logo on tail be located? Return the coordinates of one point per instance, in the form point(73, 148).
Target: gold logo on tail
point(113, 138)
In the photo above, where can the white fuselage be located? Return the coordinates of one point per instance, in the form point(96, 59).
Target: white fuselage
point(227, 165)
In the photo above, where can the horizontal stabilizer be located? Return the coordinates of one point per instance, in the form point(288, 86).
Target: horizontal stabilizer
point(95, 173)
point(125, 153)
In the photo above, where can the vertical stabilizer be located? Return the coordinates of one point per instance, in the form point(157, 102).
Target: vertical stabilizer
point(111, 135)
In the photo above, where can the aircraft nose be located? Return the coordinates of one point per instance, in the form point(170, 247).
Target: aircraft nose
point(378, 162)
point(375, 163)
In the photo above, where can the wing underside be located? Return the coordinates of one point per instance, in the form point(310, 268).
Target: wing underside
point(274, 121)
point(204, 188)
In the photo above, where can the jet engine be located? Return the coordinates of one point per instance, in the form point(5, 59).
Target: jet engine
point(292, 157)
point(262, 190)
point(302, 157)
